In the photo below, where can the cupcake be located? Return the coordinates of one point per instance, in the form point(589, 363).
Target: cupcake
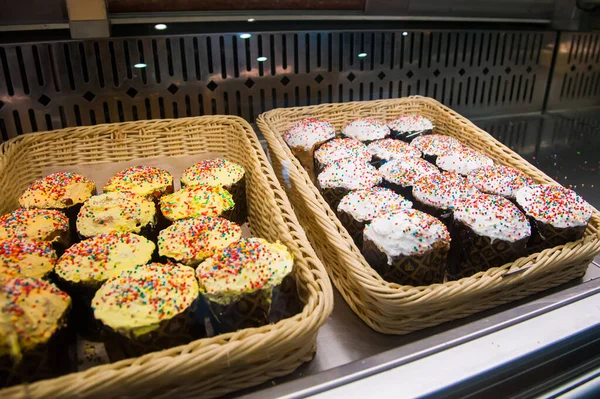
point(342, 177)
point(557, 215)
point(237, 282)
point(84, 267)
point(33, 333)
point(196, 201)
point(146, 181)
point(123, 212)
point(38, 224)
point(306, 135)
point(408, 127)
point(359, 207)
point(366, 130)
point(434, 145)
point(400, 174)
point(149, 308)
point(224, 173)
point(22, 257)
point(439, 193)
point(499, 180)
point(463, 161)
point(409, 247)
point(190, 241)
point(488, 231)
point(62, 191)
point(337, 150)
point(387, 149)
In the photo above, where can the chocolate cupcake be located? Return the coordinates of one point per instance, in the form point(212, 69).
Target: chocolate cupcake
point(190, 241)
point(237, 283)
point(439, 193)
point(224, 173)
point(33, 331)
point(401, 174)
point(123, 212)
point(499, 180)
point(359, 207)
point(197, 201)
point(338, 150)
point(305, 136)
point(557, 215)
point(149, 308)
point(62, 191)
point(366, 130)
point(340, 178)
point(409, 247)
point(463, 161)
point(85, 266)
point(488, 231)
point(408, 127)
point(37, 224)
point(22, 257)
point(434, 145)
point(387, 149)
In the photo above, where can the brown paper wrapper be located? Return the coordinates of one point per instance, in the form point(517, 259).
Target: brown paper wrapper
point(471, 253)
point(250, 310)
point(353, 226)
point(286, 300)
point(545, 236)
point(333, 196)
point(82, 314)
point(239, 213)
point(428, 268)
point(407, 137)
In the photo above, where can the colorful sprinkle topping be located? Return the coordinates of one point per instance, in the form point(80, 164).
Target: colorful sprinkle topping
point(392, 149)
point(213, 172)
point(58, 191)
point(410, 123)
point(22, 257)
point(365, 205)
point(554, 205)
point(190, 241)
point(405, 172)
point(436, 144)
point(38, 224)
point(351, 174)
point(494, 217)
point(443, 190)
point(339, 149)
point(366, 129)
point(141, 180)
point(195, 201)
point(499, 180)
point(463, 161)
point(308, 132)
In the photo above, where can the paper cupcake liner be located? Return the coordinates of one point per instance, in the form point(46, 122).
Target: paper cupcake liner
point(355, 228)
point(409, 136)
point(239, 213)
point(471, 253)
point(333, 196)
point(428, 268)
point(406, 192)
point(545, 236)
point(250, 310)
point(82, 314)
point(185, 327)
point(285, 300)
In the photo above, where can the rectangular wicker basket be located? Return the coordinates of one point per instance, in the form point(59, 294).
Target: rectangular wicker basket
point(207, 367)
point(389, 307)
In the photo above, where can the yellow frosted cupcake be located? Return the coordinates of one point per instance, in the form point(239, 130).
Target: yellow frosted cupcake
point(196, 201)
point(147, 181)
point(37, 224)
point(22, 257)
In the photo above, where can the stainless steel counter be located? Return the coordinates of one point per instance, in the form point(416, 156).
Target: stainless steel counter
point(565, 146)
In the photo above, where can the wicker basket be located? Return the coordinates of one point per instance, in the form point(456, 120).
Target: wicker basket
point(396, 309)
point(212, 366)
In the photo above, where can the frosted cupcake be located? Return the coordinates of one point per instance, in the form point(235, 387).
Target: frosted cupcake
point(400, 175)
point(434, 145)
point(499, 180)
point(408, 127)
point(388, 149)
point(366, 130)
point(22, 257)
point(305, 136)
point(38, 224)
point(340, 178)
point(338, 150)
point(463, 161)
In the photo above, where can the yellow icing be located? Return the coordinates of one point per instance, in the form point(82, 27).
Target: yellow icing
point(137, 300)
point(141, 180)
point(116, 211)
point(38, 224)
point(21, 257)
point(57, 191)
point(31, 311)
point(101, 257)
point(213, 172)
point(195, 201)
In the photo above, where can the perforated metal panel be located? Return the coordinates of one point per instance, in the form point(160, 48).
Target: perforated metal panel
point(52, 85)
point(576, 77)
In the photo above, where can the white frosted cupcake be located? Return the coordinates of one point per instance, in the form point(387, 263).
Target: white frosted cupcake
point(463, 161)
point(305, 136)
point(338, 150)
point(499, 180)
point(434, 145)
point(340, 178)
point(401, 174)
point(366, 130)
point(387, 149)
point(408, 127)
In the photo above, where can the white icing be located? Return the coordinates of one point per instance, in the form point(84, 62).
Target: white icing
point(392, 149)
point(404, 172)
point(463, 161)
point(494, 217)
point(409, 232)
point(366, 129)
point(499, 180)
point(350, 175)
point(410, 123)
point(339, 149)
point(436, 144)
point(365, 205)
point(308, 132)
point(554, 205)
point(442, 191)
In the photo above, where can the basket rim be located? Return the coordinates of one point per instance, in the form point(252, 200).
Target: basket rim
point(305, 324)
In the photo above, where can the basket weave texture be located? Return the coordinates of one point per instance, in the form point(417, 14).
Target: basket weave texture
point(392, 308)
point(206, 367)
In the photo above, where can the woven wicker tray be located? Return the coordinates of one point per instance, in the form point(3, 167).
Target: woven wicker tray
point(389, 307)
point(207, 367)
